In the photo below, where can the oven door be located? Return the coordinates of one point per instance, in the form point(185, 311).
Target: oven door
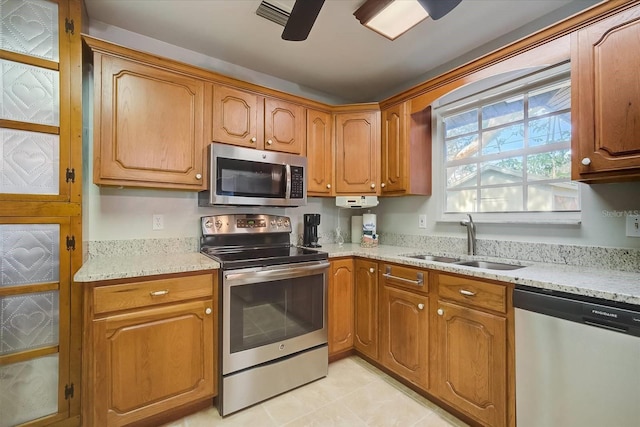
point(272, 312)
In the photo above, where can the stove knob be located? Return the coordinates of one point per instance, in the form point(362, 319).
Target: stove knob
point(208, 224)
point(218, 223)
point(286, 223)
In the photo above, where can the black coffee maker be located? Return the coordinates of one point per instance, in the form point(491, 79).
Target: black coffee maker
point(310, 237)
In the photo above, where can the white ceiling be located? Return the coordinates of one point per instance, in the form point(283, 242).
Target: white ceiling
point(341, 57)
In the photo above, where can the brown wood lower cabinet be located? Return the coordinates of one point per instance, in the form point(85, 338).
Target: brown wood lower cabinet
point(366, 308)
point(340, 302)
point(404, 334)
point(149, 347)
point(471, 350)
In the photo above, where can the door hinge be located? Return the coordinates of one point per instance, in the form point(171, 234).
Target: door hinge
point(71, 246)
point(71, 175)
point(68, 391)
point(68, 26)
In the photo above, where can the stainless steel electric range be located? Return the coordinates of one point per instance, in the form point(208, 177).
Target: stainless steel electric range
point(273, 306)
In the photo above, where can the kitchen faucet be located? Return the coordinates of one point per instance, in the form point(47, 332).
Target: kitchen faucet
point(471, 235)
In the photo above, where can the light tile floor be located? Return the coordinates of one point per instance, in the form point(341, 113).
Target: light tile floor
point(354, 394)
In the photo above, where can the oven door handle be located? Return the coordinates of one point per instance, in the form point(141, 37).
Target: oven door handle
point(268, 274)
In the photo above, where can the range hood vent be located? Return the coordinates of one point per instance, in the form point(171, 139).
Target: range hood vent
point(274, 11)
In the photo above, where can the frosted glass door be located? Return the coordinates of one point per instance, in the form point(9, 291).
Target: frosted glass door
point(32, 120)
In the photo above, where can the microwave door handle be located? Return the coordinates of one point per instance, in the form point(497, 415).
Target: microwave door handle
point(288, 187)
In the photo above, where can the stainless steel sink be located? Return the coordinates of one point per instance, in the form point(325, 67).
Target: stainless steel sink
point(433, 258)
point(490, 265)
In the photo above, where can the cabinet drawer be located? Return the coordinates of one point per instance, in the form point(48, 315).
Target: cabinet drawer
point(405, 277)
point(149, 293)
point(473, 292)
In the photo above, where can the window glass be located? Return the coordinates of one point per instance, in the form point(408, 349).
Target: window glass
point(509, 151)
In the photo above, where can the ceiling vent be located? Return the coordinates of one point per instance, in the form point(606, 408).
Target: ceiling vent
point(275, 11)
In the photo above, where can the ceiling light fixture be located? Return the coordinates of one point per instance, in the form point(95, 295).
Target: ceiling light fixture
point(391, 18)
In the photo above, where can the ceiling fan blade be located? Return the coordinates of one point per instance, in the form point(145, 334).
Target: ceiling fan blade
point(438, 8)
point(302, 17)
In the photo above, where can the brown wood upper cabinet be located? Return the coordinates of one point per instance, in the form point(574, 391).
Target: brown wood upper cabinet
point(148, 122)
point(248, 119)
point(357, 152)
point(319, 153)
point(605, 99)
point(406, 151)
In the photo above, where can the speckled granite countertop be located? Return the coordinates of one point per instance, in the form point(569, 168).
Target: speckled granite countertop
point(121, 267)
point(611, 285)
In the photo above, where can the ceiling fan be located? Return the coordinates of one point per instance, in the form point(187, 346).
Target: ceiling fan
point(304, 14)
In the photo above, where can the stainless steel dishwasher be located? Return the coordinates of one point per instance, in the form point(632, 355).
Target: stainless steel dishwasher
point(577, 361)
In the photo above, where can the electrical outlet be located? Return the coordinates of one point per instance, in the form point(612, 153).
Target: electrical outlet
point(633, 226)
point(422, 221)
point(157, 222)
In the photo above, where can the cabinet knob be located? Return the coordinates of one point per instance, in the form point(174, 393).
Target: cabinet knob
point(586, 161)
point(440, 312)
point(208, 310)
point(420, 306)
point(328, 185)
point(254, 139)
point(269, 142)
point(383, 185)
point(198, 176)
point(372, 270)
point(373, 185)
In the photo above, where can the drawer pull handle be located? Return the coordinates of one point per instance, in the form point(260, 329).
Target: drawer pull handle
point(208, 310)
point(467, 293)
point(159, 293)
point(419, 277)
point(420, 306)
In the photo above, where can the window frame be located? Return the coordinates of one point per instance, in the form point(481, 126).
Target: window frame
point(485, 92)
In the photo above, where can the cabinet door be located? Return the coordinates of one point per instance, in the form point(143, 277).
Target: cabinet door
point(472, 362)
point(284, 126)
point(235, 117)
point(606, 98)
point(366, 308)
point(404, 335)
point(319, 154)
point(148, 127)
point(149, 361)
point(340, 302)
point(394, 149)
point(357, 153)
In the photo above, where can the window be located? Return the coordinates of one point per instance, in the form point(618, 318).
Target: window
point(507, 150)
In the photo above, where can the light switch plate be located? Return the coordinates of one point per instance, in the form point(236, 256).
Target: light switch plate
point(633, 225)
point(422, 221)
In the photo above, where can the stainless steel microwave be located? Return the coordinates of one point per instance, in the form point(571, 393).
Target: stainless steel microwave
point(244, 176)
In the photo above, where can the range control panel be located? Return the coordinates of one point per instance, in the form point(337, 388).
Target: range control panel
point(245, 223)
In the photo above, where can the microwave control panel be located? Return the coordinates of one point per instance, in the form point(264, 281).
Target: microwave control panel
point(297, 182)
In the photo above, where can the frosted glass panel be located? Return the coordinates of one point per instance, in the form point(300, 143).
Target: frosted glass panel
point(29, 94)
point(28, 390)
point(29, 321)
point(30, 254)
point(29, 162)
point(30, 27)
